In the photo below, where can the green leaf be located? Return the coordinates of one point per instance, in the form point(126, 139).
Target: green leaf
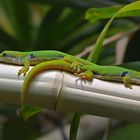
point(19, 17)
point(7, 41)
point(133, 47)
point(46, 27)
point(58, 27)
point(95, 14)
point(132, 65)
point(74, 126)
point(97, 49)
point(127, 131)
point(27, 111)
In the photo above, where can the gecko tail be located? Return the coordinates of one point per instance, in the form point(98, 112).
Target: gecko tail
point(28, 81)
point(44, 66)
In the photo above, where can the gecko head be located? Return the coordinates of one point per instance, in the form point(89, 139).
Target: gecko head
point(10, 56)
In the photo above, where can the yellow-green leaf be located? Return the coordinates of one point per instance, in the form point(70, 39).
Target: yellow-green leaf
point(97, 49)
point(95, 14)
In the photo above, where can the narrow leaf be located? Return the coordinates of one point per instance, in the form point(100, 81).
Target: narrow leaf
point(28, 111)
point(97, 49)
point(132, 65)
point(74, 126)
point(46, 28)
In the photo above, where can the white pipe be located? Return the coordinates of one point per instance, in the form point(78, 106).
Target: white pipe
point(60, 91)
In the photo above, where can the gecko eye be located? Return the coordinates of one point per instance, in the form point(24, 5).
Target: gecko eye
point(31, 56)
point(60, 57)
point(124, 73)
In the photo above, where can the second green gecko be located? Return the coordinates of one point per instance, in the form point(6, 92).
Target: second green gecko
point(88, 72)
point(35, 57)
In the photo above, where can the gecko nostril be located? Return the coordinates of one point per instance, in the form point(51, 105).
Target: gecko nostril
point(4, 54)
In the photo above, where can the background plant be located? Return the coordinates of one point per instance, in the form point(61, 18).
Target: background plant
point(41, 24)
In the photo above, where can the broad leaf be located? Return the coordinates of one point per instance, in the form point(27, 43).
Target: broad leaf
point(95, 14)
point(18, 15)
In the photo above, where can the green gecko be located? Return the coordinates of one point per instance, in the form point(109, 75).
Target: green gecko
point(77, 66)
point(88, 72)
point(35, 57)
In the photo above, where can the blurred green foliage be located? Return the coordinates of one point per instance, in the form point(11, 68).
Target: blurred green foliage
point(127, 131)
point(58, 25)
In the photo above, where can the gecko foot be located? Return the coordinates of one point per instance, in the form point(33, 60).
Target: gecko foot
point(76, 66)
point(126, 79)
point(22, 71)
point(88, 75)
